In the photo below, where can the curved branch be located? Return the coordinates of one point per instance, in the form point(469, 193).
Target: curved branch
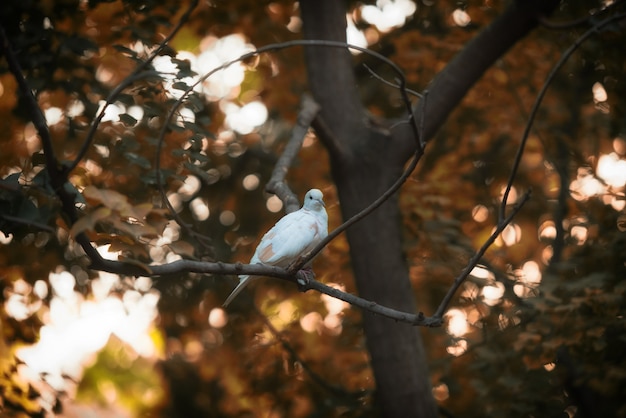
point(299, 277)
point(550, 24)
point(539, 99)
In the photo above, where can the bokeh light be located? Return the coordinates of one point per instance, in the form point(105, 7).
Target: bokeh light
point(457, 322)
point(461, 17)
point(274, 204)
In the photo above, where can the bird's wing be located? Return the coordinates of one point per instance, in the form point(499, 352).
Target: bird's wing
point(294, 235)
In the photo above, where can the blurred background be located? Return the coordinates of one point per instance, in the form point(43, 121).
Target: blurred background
point(77, 342)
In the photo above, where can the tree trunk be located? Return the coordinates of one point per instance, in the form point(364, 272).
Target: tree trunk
point(365, 162)
point(362, 173)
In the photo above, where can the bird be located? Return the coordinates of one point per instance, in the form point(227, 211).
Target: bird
point(293, 236)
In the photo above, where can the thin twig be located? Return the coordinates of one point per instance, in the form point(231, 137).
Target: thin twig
point(58, 175)
point(502, 224)
point(551, 24)
point(389, 83)
point(538, 100)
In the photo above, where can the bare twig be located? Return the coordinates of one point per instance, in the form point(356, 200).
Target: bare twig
point(502, 224)
point(277, 47)
point(57, 174)
point(503, 219)
point(551, 24)
point(389, 83)
point(538, 100)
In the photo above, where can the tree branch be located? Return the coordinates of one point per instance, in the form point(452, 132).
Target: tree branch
point(57, 174)
point(453, 82)
point(410, 318)
point(277, 184)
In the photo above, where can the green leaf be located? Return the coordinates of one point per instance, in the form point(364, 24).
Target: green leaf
point(194, 169)
point(137, 159)
point(198, 156)
point(128, 120)
point(126, 99)
point(179, 85)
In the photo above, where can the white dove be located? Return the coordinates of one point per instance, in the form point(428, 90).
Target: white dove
point(294, 235)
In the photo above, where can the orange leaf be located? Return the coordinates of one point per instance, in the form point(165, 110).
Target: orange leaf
point(89, 221)
point(182, 248)
point(109, 198)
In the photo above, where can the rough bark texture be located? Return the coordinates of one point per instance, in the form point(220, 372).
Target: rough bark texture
point(362, 173)
point(365, 162)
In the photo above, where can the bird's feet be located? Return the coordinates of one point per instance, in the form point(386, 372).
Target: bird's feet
point(304, 277)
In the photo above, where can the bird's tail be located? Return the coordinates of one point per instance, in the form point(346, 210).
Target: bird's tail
point(243, 282)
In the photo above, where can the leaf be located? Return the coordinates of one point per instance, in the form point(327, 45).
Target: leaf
point(38, 158)
point(89, 221)
point(195, 103)
point(141, 210)
point(157, 219)
point(128, 120)
point(180, 85)
point(182, 248)
point(11, 182)
point(200, 157)
point(194, 169)
point(126, 99)
point(109, 198)
point(137, 159)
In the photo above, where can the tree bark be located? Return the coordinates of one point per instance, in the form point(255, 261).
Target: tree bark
point(366, 161)
point(362, 172)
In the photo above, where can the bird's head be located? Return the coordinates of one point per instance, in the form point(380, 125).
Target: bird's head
point(314, 200)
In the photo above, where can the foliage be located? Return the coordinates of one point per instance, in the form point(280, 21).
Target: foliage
point(545, 344)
